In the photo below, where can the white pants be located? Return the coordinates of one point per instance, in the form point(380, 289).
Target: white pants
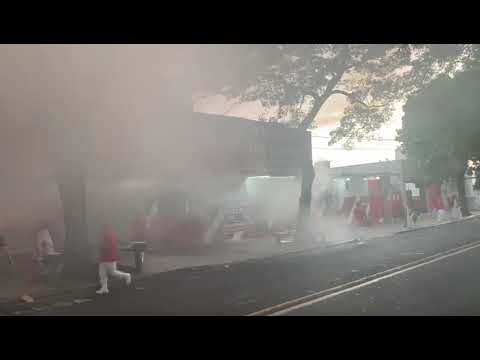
point(442, 215)
point(110, 268)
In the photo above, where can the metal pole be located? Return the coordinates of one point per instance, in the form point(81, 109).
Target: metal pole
point(404, 195)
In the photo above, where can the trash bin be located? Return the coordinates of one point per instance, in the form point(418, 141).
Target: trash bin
point(139, 248)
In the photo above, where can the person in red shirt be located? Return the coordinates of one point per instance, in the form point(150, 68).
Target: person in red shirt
point(360, 213)
point(140, 228)
point(108, 260)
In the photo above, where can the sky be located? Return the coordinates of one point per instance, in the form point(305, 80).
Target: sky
point(327, 120)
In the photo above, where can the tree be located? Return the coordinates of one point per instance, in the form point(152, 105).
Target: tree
point(293, 82)
point(441, 129)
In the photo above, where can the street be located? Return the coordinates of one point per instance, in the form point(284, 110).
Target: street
point(440, 279)
point(447, 287)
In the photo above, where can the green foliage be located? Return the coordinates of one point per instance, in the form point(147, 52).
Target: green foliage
point(441, 126)
point(293, 81)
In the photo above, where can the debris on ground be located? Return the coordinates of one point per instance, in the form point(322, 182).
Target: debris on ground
point(240, 251)
point(238, 236)
point(248, 301)
point(285, 236)
point(20, 312)
point(63, 304)
point(27, 299)
point(80, 301)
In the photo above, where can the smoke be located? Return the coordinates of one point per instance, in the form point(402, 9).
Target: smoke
point(275, 199)
point(326, 222)
point(333, 229)
point(71, 107)
point(101, 109)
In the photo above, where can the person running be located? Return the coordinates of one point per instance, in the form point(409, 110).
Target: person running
point(108, 260)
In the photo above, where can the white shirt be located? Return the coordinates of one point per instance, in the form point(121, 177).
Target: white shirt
point(44, 243)
point(151, 215)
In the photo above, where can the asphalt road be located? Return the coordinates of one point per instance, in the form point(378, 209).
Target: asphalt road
point(450, 286)
point(446, 287)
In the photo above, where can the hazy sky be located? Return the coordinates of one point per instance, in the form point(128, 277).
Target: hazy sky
point(327, 120)
point(110, 85)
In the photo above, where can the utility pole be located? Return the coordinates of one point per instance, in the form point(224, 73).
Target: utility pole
point(403, 193)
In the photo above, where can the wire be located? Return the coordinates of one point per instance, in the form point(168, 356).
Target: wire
point(328, 137)
point(367, 149)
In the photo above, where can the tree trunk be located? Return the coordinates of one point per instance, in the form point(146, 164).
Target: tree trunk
point(319, 101)
point(78, 262)
point(423, 196)
point(305, 201)
point(460, 179)
point(305, 124)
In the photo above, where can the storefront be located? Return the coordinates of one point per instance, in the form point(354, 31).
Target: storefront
point(374, 187)
point(236, 176)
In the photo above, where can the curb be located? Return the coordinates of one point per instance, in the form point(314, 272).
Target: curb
point(438, 224)
point(210, 266)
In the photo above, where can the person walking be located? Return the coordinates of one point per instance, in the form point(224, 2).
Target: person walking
point(44, 242)
point(4, 250)
point(47, 258)
point(108, 260)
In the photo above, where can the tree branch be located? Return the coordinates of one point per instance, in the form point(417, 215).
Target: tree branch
point(354, 98)
point(319, 101)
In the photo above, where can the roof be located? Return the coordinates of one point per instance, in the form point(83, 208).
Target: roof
point(392, 167)
point(235, 119)
point(253, 147)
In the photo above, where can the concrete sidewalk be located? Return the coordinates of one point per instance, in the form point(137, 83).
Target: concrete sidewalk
point(245, 249)
point(336, 231)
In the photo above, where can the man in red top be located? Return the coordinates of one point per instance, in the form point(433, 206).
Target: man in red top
point(108, 260)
